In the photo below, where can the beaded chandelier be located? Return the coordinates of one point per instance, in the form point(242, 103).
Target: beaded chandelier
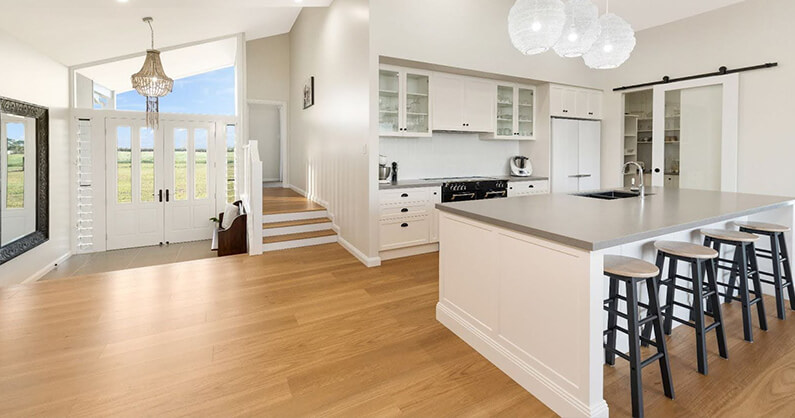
point(152, 81)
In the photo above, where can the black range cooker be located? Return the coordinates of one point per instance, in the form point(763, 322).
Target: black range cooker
point(473, 188)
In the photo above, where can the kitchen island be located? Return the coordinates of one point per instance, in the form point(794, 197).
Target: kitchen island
point(521, 279)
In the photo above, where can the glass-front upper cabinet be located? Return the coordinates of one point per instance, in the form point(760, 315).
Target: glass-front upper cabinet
point(515, 112)
point(404, 102)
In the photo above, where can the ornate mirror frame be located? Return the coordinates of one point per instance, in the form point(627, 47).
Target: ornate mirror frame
point(42, 232)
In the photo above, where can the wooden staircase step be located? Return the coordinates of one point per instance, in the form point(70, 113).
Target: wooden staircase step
point(299, 236)
point(299, 222)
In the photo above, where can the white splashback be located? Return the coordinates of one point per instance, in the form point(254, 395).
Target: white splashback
point(448, 155)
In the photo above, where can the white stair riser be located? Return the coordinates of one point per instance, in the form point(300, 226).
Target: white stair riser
point(276, 246)
point(272, 232)
point(295, 216)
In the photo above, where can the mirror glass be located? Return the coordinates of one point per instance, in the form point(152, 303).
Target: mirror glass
point(18, 175)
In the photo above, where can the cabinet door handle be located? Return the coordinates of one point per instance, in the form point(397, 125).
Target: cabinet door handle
point(590, 113)
point(531, 186)
point(404, 210)
point(404, 225)
point(404, 195)
point(565, 111)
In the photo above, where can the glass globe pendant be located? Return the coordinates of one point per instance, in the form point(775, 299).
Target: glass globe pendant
point(535, 25)
point(614, 45)
point(581, 29)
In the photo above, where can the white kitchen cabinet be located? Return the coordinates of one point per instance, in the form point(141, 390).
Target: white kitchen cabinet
point(576, 150)
point(573, 102)
point(671, 181)
point(462, 104)
point(408, 217)
point(515, 116)
point(404, 102)
point(527, 188)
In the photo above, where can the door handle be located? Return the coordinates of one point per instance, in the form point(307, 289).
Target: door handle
point(166, 195)
point(404, 195)
point(404, 210)
point(160, 193)
point(585, 175)
point(404, 225)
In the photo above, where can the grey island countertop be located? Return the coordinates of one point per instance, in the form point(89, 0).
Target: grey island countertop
point(405, 184)
point(594, 224)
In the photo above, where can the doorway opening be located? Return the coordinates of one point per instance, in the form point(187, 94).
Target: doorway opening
point(268, 126)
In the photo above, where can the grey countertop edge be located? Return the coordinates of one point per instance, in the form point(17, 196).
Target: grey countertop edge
point(601, 245)
point(406, 184)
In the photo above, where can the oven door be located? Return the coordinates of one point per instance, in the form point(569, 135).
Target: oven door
point(459, 196)
point(495, 194)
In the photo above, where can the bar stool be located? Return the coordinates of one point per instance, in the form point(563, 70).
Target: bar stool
point(700, 260)
point(744, 265)
point(631, 272)
point(778, 256)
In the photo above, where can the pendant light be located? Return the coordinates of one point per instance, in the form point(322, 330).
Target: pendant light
point(152, 81)
point(581, 29)
point(614, 45)
point(536, 25)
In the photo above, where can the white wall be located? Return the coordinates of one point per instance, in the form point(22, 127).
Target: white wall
point(37, 79)
point(268, 68)
point(264, 128)
point(748, 33)
point(328, 143)
point(448, 155)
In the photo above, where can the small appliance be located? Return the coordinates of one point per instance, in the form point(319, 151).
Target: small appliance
point(521, 167)
point(384, 170)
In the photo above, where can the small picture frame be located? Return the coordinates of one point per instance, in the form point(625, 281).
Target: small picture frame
point(309, 93)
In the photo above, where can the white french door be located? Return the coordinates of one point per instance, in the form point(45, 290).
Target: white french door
point(160, 184)
point(134, 169)
point(189, 179)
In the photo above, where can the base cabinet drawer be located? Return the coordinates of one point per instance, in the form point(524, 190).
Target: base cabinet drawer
point(404, 196)
point(404, 210)
point(527, 188)
point(404, 232)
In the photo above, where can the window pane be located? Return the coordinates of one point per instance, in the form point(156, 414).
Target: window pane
point(180, 164)
point(147, 165)
point(230, 163)
point(123, 165)
point(15, 193)
point(200, 163)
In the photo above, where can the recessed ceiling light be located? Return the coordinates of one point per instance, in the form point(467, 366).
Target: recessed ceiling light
point(122, 1)
point(298, 1)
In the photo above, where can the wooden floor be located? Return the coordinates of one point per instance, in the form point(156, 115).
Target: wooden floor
point(309, 332)
point(279, 200)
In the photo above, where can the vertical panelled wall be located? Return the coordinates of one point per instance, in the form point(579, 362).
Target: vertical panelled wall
point(328, 142)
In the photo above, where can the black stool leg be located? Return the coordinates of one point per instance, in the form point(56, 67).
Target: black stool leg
point(670, 295)
point(787, 269)
point(741, 263)
point(698, 310)
point(775, 252)
point(648, 328)
point(732, 280)
point(634, 349)
point(760, 304)
point(717, 315)
point(654, 309)
point(612, 318)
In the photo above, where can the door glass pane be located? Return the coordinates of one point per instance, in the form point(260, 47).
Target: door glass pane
point(200, 176)
point(525, 107)
point(673, 112)
point(505, 111)
point(123, 164)
point(230, 163)
point(638, 137)
point(15, 164)
point(147, 165)
point(417, 104)
point(388, 101)
point(180, 164)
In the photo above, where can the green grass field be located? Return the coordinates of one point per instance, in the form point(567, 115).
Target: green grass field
point(15, 196)
point(124, 173)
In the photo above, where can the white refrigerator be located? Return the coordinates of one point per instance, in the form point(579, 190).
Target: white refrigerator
point(576, 155)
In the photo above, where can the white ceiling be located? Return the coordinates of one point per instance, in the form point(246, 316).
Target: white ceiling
point(179, 63)
point(644, 14)
point(76, 32)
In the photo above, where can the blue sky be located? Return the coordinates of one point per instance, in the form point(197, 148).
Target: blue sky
point(211, 93)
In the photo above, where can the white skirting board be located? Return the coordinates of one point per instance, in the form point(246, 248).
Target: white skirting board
point(367, 261)
point(48, 268)
point(409, 251)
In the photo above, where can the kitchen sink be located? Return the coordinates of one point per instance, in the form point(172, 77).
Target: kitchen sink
point(611, 195)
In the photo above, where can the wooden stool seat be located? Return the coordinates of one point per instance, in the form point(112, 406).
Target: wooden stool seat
point(630, 267)
point(686, 250)
point(763, 226)
point(729, 235)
